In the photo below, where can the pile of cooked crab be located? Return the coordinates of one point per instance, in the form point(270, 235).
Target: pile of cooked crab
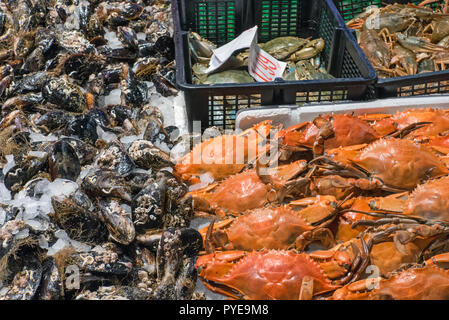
point(342, 207)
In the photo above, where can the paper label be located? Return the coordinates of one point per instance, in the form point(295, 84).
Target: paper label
point(261, 66)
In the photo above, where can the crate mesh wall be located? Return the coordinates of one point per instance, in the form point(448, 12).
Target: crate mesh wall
point(438, 87)
point(223, 109)
point(215, 21)
point(326, 31)
point(279, 18)
point(349, 69)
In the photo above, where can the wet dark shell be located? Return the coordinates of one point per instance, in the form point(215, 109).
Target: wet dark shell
point(64, 94)
point(53, 120)
point(144, 68)
point(148, 206)
point(119, 114)
point(34, 62)
point(29, 83)
point(84, 127)
point(86, 152)
point(80, 66)
point(23, 271)
point(115, 20)
point(138, 179)
point(94, 27)
point(74, 215)
point(23, 45)
point(118, 221)
point(150, 239)
point(164, 86)
point(84, 17)
point(51, 284)
point(166, 47)
point(63, 161)
point(133, 90)
point(147, 49)
point(128, 36)
point(130, 10)
point(99, 116)
point(103, 261)
point(179, 208)
point(18, 175)
point(117, 53)
point(101, 183)
point(46, 40)
point(24, 285)
point(156, 134)
point(115, 158)
point(147, 156)
point(146, 260)
point(9, 242)
point(25, 102)
point(177, 254)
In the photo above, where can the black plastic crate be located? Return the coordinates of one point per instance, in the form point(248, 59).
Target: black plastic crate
point(220, 21)
point(415, 85)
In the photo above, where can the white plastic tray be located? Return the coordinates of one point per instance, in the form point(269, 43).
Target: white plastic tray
point(291, 115)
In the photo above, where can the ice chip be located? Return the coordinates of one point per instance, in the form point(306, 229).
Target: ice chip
point(58, 246)
point(114, 97)
point(11, 163)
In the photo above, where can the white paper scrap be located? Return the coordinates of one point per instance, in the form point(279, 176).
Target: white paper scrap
point(261, 66)
point(223, 53)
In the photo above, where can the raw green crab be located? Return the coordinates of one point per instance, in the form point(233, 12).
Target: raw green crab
point(229, 76)
point(201, 49)
point(306, 70)
point(293, 48)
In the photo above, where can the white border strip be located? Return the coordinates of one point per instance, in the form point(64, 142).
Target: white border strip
point(291, 115)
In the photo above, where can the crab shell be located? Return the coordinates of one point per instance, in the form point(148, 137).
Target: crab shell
point(430, 201)
point(272, 227)
point(274, 275)
point(398, 163)
point(223, 156)
point(348, 130)
point(440, 144)
point(439, 122)
point(244, 191)
point(416, 283)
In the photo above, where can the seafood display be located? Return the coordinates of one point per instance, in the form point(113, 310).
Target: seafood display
point(350, 207)
point(404, 39)
point(303, 57)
